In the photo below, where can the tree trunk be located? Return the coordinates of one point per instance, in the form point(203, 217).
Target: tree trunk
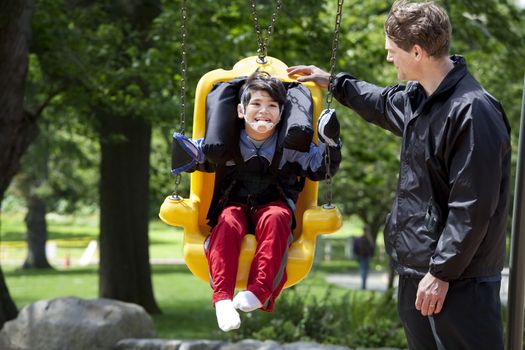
point(125, 272)
point(17, 128)
point(36, 234)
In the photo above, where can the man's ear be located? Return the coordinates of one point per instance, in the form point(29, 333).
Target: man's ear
point(240, 111)
point(417, 52)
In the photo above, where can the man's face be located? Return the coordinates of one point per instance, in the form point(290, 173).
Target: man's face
point(260, 109)
point(403, 60)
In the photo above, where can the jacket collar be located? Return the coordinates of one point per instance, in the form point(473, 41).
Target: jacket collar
point(416, 92)
point(450, 80)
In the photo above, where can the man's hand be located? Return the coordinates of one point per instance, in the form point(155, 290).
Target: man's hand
point(310, 73)
point(431, 294)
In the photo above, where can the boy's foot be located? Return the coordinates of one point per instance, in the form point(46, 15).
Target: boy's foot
point(246, 301)
point(227, 317)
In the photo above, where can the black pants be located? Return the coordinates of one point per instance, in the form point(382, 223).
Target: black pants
point(470, 318)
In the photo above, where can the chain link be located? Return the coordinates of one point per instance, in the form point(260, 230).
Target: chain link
point(263, 42)
point(329, 97)
point(175, 194)
point(335, 46)
point(183, 66)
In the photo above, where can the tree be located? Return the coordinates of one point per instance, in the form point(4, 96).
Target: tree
point(109, 78)
point(17, 126)
point(31, 185)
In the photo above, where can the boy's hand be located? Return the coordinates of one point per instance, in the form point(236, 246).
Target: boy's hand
point(185, 154)
point(328, 127)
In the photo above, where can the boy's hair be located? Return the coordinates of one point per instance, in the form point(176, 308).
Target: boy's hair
point(425, 24)
point(262, 81)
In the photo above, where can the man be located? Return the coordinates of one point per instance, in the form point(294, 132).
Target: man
point(446, 231)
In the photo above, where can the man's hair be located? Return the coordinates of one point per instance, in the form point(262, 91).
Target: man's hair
point(262, 81)
point(425, 24)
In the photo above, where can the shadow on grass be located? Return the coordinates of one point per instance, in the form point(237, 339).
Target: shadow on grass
point(188, 322)
point(19, 272)
point(12, 236)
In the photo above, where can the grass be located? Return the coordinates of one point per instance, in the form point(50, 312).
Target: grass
point(185, 300)
point(69, 236)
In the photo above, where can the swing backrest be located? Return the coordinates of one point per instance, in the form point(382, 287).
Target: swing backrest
point(200, 181)
point(191, 213)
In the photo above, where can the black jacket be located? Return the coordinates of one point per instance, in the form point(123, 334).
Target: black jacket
point(450, 211)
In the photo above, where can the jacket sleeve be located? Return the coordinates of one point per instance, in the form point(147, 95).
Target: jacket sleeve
point(381, 106)
point(478, 153)
point(312, 164)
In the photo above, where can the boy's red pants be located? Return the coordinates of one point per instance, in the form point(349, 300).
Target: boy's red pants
point(268, 270)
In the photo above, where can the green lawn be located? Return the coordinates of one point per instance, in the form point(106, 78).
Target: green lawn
point(71, 236)
point(185, 300)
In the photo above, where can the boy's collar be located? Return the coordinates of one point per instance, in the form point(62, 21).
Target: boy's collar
point(248, 149)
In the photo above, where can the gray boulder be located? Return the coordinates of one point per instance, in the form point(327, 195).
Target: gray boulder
point(73, 323)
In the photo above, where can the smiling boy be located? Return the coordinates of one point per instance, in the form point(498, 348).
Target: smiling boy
point(256, 194)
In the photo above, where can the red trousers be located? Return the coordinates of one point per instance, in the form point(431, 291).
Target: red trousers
point(268, 270)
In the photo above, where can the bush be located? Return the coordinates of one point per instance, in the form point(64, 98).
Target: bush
point(358, 319)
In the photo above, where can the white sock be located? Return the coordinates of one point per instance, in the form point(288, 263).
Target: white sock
point(246, 301)
point(227, 317)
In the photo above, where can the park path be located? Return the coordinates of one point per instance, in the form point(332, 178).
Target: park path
point(377, 281)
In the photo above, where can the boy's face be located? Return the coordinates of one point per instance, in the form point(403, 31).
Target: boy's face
point(261, 114)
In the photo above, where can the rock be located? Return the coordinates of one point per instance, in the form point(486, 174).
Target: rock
point(246, 344)
point(251, 344)
point(313, 346)
point(73, 323)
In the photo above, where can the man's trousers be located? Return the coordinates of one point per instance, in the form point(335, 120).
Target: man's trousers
point(469, 320)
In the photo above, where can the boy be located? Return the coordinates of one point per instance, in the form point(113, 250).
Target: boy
point(257, 194)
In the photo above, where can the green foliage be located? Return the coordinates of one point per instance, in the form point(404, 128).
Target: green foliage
point(356, 319)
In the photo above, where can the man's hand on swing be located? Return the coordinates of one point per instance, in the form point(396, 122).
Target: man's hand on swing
point(309, 73)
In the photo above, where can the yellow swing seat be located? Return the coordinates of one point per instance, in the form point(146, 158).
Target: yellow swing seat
point(190, 213)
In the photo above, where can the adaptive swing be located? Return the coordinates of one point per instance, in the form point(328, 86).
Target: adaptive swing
point(220, 87)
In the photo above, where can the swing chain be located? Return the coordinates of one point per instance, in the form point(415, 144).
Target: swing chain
point(329, 98)
point(263, 43)
point(183, 65)
point(335, 46)
point(328, 181)
point(175, 194)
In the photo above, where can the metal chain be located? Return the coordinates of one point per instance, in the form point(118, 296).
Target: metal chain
point(328, 180)
point(335, 46)
point(263, 42)
point(175, 194)
point(183, 66)
point(329, 98)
